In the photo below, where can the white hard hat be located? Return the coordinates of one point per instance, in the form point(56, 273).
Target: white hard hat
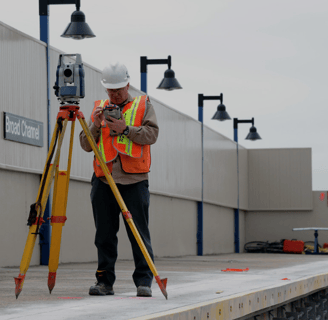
point(115, 76)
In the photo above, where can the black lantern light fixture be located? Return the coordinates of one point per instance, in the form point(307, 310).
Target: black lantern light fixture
point(221, 114)
point(78, 29)
point(169, 81)
point(253, 135)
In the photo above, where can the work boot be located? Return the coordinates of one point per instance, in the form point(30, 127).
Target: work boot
point(101, 289)
point(143, 291)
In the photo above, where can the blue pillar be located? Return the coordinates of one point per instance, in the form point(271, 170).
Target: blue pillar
point(200, 204)
point(236, 230)
point(144, 82)
point(45, 228)
point(237, 210)
point(235, 135)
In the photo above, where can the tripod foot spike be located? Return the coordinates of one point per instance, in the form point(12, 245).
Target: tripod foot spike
point(51, 280)
point(19, 281)
point(162, 285)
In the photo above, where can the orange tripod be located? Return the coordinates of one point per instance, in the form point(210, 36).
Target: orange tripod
point(61, 184)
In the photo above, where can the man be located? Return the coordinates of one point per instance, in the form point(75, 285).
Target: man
point(125, 147)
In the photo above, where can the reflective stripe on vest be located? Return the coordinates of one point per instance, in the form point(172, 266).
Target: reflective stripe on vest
point(130, 116)
point(123, 144)
point(101, 147)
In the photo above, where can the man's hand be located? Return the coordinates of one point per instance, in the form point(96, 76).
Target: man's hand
point(117, 125)
point(98, 116)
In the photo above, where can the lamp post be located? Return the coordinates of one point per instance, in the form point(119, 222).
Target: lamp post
point(78, 29)
point(252, 135)
point(168, 83)
point(220, 115)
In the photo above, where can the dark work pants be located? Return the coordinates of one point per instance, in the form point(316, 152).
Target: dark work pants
point(106, 212)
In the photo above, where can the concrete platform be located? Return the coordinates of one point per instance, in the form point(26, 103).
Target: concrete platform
point(197, 288)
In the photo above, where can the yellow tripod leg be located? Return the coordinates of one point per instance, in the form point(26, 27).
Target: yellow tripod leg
point(58, 217)
point(30, 242)
point(126, 214)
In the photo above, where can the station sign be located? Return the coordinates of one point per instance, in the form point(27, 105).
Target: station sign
point(23, 130)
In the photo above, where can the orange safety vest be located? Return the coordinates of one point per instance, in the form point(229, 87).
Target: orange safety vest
point(135, 158)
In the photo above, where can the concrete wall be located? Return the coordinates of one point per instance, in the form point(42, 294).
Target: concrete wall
point(280, 179)
point(79, 230)
point(18, 192)
point(277, 225)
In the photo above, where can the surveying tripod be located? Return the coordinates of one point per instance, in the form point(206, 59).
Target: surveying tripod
point(51, 171)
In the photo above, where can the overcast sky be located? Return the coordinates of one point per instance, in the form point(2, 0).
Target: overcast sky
point(267, 57)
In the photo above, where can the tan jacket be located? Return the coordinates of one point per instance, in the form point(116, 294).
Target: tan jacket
point(147, 133)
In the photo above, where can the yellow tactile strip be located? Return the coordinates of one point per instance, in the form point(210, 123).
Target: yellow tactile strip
point(240, 305)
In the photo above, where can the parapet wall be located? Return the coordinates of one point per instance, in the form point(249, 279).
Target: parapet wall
point(276, 225)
